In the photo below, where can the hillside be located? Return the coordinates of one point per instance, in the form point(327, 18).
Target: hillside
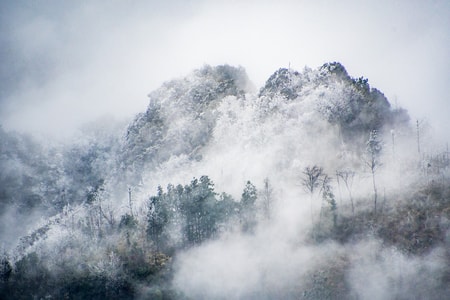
point(311, 187)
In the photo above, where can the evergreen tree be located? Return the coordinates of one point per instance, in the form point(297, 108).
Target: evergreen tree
point(158, 218)
point(5, 269)
point(207, 214)
point(226, 211)
point(198, 208)
point(248, 208)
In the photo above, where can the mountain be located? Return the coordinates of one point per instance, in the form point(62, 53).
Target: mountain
point(309, 188)
point(180, 117)
point(186, 117)
point(349, 103)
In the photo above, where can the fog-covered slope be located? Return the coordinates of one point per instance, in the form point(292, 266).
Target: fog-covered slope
point(216, 191)
point(212, 113)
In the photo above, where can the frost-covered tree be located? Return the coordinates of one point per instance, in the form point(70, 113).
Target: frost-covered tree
point(328, 198)
point(372, 160)
point(267, 199)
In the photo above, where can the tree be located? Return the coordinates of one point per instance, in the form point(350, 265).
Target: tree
point(158, 218)
point(347, 176)
point(311, 178)
point(130, 202)
point(248, 210)
point(328, 197)
point(311, 181)
point(267, 198)
point(127, 221)
point(199, 202)
point(206, 198)
point(372, 160)
point(99, 209)
point(226, 212)
point(5, 268)
point(249, 195)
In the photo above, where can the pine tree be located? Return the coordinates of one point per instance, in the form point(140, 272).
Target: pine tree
point(198, 208)
point(158, 218)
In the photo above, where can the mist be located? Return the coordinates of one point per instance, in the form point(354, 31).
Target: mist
point(280, 258)
point(167, 150)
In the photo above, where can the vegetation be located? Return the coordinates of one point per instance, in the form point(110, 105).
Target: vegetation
point(96, 232)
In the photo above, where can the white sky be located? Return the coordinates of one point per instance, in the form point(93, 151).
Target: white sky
point(65, 63)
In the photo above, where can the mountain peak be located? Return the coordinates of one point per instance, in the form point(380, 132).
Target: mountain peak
point(204, 85)
point(280, 82)
point(333, 68)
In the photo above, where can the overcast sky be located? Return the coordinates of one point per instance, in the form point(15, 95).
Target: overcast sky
point(64, 63)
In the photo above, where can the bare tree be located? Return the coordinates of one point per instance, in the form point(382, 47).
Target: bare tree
point(311, 181)
point(347, 177)
point(311, 178)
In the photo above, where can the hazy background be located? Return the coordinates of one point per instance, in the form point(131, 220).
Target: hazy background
point(65, 63)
